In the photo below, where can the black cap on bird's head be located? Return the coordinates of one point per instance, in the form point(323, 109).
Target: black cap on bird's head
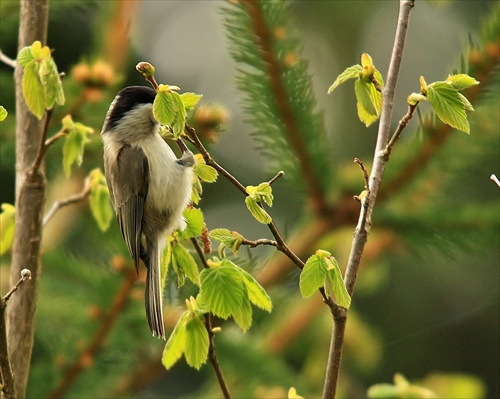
point(125, 100)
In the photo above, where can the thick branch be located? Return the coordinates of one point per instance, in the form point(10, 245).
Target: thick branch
point(368, 202)
point(30, 198)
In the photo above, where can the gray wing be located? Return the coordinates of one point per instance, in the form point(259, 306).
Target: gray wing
point(128, 189)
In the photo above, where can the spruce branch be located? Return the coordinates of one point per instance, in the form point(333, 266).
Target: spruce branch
point(85, 358)
point(368, 202)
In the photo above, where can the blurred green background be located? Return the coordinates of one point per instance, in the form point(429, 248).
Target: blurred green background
point(427, 300)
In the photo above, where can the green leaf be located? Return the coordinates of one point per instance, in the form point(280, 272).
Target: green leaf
point(467, 105)
point(197, 341)
point(350, 73)
point(54, 93)
point(383, 391)
point(334, 283)
point(76, 137)
point(163, 107)
point(227, 239)
point(33, 92)
point(313, 275)
point(3, 113)
point(166, 259)
point(257, 211)
point(25, 56)
point(203, 171)
point(262, 192)
point(7, 224)
point(243, 316)
point(100, 201)
point(222, 290)
point(448, 105)
point(194, 223)
point(369, 101)
point(190, 100)
point(184, 264)
point(461, 81)
point(180, 115)
point(176, 344)
point(256, 294)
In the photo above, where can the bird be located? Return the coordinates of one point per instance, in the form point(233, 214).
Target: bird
point(149, 187)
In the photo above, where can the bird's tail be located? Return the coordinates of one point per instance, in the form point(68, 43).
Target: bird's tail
point(154, 294)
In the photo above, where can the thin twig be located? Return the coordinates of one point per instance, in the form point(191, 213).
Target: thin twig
point(261, 241)
point(54, 138)
point(89, 353)
point(8, 386)
point(68, 201)
point(397, 133)
point(7, 60)
point(42, 147)
point(364, 221)
point(278, 175)
point(212, 357)
point(495, 179)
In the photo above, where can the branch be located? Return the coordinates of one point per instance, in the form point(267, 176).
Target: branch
point(68, 201)
point(7, 60)
point(368, 202)
point(263, 37)
point(30, 198)
point(495, 179)
point(88, 354)
point(212, 357)
point(8, 385)
point(401, 125)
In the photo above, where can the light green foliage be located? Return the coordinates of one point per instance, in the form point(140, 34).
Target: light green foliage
point(100, 201)
point(76, 138)
point(369, 99)
point(3, 113)
point(184, 265)
point(189, 337)
point(401, 389)
point(227, 290)
point(194, 223)
point(170, 108)
point(41, 84)
point(257, 194)
point(322, 271)
point(449, 105)
point(203, 171)
point(227, 239)
point(7, 223)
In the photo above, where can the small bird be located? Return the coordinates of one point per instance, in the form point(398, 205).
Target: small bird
point(149, 186)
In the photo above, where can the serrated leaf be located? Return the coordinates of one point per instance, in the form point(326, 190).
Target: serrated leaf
point(7, 224)
point(100, 201)
point(222, 290)
point(467, 105)
point(256, 294)
point(461, 81)
point(180, 115)
point(33, 92)
point(163, 107)
point(54, 93)
point(25, 56)
point(243, 316)
point(313, 275)
point(165, 260)
point(335, 281)
point(448, 105)
point(369, 101)
point(257, 211)
point(74, 145)
point(350, 73)
point(227, 239)
point(203, 171)
point(197, 341)
point(3, 113)
point(176, 344)
point(194, 223)
point(185, 264)
point(190, 100)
